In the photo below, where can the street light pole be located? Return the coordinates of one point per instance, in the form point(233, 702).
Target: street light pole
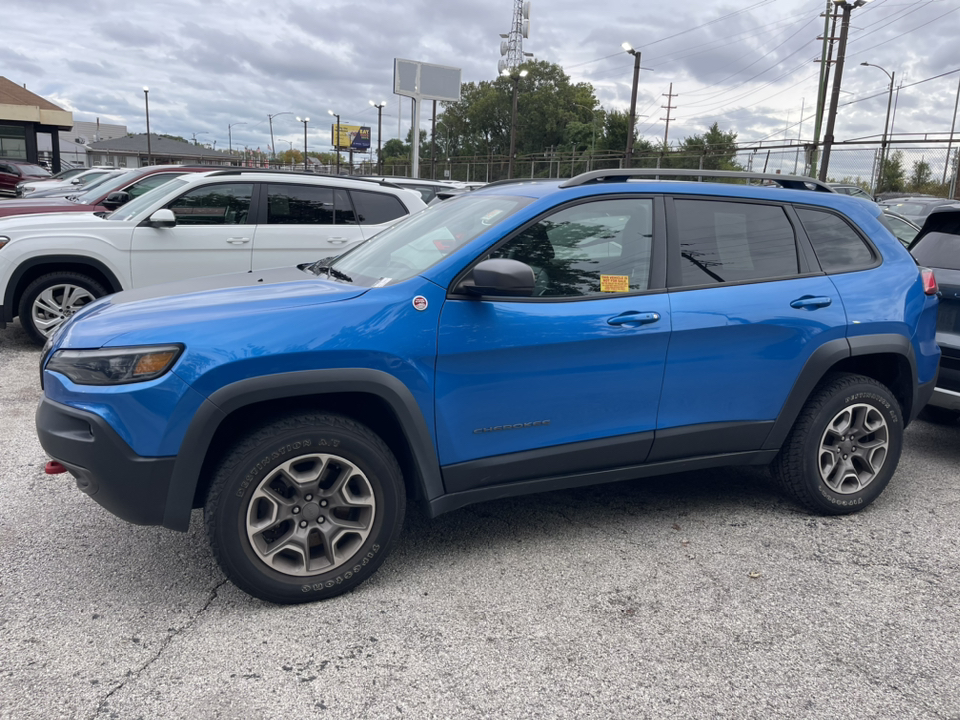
point(304, 121)
point(230, 134)
point(146, 101)
point(273, 150)
point(628, 157)
point(513, 118)
point(838, 76)
point(336, 139)
point(379, 132)
point(886, 124)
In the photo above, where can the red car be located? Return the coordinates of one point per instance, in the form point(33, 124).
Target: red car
point(15, 171)
point(105, 196)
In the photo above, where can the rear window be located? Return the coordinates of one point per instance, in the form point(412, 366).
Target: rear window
point(938, 250)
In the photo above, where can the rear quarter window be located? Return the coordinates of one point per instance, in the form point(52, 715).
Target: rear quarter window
point(374, 208)
point(838, 246)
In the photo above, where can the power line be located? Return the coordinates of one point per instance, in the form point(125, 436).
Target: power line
point(907, 32)
point(684, 32)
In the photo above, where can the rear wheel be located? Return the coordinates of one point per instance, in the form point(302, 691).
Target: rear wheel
point(844, 447)
point(52, 299)
point(305, 508)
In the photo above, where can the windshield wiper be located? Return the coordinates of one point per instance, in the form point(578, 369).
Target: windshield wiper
point(324, 266)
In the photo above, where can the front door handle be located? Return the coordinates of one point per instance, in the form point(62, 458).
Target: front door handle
point(634, 318)
point(338, 240)
point(811, 302)
point(238, 240)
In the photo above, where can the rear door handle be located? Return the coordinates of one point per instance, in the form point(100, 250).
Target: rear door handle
point(811, 302)
point(634, 318)
point(238, 240)
point(338, 240)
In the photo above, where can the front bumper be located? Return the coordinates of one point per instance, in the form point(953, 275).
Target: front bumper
point(132, 487)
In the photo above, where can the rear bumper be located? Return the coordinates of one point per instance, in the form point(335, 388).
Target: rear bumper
point(947, 394)
point(132, 487)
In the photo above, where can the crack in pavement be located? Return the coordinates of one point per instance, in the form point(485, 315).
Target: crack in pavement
point(164, 644)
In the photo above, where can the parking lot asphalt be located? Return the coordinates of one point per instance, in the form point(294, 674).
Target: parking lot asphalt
point(702, 595)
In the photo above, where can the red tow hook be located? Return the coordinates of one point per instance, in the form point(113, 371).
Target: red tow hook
point(54, 468)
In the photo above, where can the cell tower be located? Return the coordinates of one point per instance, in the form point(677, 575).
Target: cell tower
point(511, 44)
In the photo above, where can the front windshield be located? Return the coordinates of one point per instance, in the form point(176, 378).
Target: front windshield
point(422, 240)
point(136, 205)
point(35, 171)
point(95, 188)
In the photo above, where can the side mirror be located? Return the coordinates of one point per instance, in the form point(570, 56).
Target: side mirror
point(499, 276)
point(75, 181)
point(116, 199)
point(162, 218)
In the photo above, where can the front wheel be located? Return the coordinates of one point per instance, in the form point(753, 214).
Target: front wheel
point(51, 299)
point(305, 508)
point(844, 447)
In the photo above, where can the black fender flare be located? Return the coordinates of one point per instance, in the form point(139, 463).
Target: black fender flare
point(232, 397)
point(22, 268)
point(819, 364)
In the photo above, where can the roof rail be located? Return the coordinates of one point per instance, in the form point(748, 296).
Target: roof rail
point(515, 181)
point(298, 173)
point(793, 182)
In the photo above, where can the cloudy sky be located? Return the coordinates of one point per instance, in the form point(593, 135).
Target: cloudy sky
point(747, 64)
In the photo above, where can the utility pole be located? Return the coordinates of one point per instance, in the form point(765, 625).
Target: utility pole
point(837, 79)
point(433, 144)
point(953, 125)
point(628, 157)
point(825, 60)
point(668, 108)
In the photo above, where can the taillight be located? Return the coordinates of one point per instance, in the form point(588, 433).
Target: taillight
point(929, 281)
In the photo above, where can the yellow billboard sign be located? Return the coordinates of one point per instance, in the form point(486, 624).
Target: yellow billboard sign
point(351, 137)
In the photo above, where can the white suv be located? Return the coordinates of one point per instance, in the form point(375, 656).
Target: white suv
point(209, 223)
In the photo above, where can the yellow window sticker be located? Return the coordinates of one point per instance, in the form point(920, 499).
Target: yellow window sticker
point(614, 283)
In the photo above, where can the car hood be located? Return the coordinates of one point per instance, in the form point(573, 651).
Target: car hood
point(148, 312)
point(48, 221)
point(23, 206)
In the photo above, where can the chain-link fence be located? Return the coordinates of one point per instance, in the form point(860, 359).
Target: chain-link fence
point(908, 167)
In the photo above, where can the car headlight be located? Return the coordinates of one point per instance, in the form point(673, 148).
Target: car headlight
point(3, 240)
point(115, 366)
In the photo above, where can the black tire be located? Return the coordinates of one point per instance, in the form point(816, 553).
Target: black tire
point(74, 288)
point(939, 415)
point(862, 461)
point(278, 539)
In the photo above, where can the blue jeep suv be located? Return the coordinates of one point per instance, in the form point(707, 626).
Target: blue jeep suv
point(525, 337)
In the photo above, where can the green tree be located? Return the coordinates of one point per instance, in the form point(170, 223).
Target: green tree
point(920, 176)
point(893, 174)
point(547, 104)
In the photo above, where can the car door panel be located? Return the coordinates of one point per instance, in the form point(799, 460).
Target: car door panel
point(303, 223)
point(577, 370)
point(212, 236)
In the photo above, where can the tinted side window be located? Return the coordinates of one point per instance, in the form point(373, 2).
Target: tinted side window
point(732, 242)
point(227, 204)
point(589, 249)
point(838, 246)
point(374, 208)
point(299, 205)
